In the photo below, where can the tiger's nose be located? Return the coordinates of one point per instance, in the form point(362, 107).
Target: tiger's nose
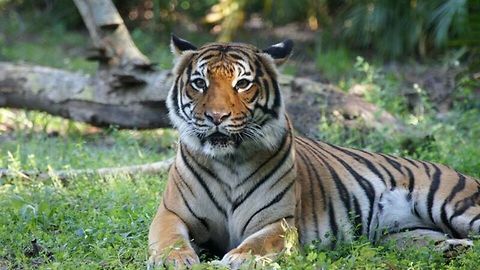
point(217, 117)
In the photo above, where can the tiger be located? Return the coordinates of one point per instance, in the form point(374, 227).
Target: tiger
point(240, 174)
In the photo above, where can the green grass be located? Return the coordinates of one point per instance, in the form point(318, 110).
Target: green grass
point(335, 64)
point(66, 50)
point(44, 141)
point(91, 223)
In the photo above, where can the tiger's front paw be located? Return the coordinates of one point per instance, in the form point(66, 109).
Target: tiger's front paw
point(237, 257)
point(178, 258)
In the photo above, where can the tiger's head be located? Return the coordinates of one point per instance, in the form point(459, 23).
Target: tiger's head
point(226, 100)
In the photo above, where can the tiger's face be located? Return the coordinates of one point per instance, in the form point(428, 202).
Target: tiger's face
point(225, 98)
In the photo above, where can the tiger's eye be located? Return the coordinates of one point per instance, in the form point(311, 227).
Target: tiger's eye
point(242, 84)
point(199, 84)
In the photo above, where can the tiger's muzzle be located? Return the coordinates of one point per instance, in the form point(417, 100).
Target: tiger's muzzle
point(220, 139)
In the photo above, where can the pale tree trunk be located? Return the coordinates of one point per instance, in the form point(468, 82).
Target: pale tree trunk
point(128, 92)
point(113, 46)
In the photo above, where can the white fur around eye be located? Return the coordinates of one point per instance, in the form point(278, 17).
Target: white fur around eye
point(195, 81)
point(245, 88)
point(240, 90)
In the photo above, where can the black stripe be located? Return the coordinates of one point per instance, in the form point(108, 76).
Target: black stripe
point(458, 187)
point(202, 183)
point(237, 202)
point(206, 57)
point(212, 175)
point(415, 210)
point(477, 217)
point(433, 189)
point(394, 163)
point(364, 183)
point(411, 162)
point(427, 169)
point(281, 177)
point(342, 190)
point(358, 229)
point(202, 220)
point(240, 118)
point(258, 68)
point(206, 51)
point(390, 176)
point(266, 88)
point(220, 48)
point(361, 159)
point(467, 203)
point(243, 67)
point(411, 179)
point(181, 99)
point(333, 222)
point(277, 95)
point(280, 148)
point(366, 152)
point(183, 180)
point(176, 103)
point(255, 96)
point(312, 197)
point(235, 56)
point(275, 200)
point(312, 168)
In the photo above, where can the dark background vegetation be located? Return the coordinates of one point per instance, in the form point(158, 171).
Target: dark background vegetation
point(415, 29)
point(417, 59)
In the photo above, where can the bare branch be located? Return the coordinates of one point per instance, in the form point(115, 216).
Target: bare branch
point(145, 169)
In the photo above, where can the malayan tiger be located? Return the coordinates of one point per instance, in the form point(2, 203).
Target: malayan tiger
point(240, 171)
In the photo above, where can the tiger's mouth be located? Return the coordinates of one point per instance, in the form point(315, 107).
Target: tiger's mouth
point(219, 139)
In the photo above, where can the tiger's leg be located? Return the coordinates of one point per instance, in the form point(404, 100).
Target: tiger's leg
point(399, 219)
point(424, 237)
point(267, 241)
point(168, 241)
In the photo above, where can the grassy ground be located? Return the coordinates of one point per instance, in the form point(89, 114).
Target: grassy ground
point(102, 223)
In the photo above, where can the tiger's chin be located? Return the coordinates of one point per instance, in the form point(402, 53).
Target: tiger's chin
point(217, 151)
point(220, 144)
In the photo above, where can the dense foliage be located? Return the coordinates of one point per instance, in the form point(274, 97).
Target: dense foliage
point(392, 28)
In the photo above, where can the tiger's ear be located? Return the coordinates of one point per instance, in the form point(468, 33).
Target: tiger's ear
point(280, 51)
point(179, 46)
